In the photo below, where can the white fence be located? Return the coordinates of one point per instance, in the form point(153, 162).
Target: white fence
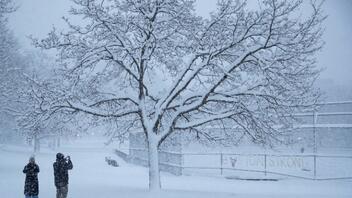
point(312, 167)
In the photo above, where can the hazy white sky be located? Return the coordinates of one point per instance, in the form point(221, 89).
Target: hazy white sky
point(37, 17)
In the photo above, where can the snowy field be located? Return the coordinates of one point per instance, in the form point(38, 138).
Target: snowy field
point(93, 178)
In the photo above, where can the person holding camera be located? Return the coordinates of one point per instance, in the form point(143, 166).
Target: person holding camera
point(61, 167)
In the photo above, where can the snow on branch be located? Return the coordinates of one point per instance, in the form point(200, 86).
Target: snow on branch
point(175, 70)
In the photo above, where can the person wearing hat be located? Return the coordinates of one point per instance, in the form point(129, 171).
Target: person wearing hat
point(61, 167)
point(31, 186)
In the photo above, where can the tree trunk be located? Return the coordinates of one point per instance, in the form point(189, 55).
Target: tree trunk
point(36, 144)
point(58, 143)
point(153, 156)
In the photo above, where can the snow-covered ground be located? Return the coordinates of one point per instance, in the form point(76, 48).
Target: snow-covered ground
point(93, 178)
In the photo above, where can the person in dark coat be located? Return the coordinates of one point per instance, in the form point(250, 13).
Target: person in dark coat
point(61, 167)
point(31, 186)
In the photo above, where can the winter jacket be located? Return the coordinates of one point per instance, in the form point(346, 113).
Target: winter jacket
point(31, 186)
point(61, 168)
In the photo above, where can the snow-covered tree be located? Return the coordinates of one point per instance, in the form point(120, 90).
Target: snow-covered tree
point(155, 66)
point(10, 59)
point(22, 86)
point(40, 90)
point(8, 49)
